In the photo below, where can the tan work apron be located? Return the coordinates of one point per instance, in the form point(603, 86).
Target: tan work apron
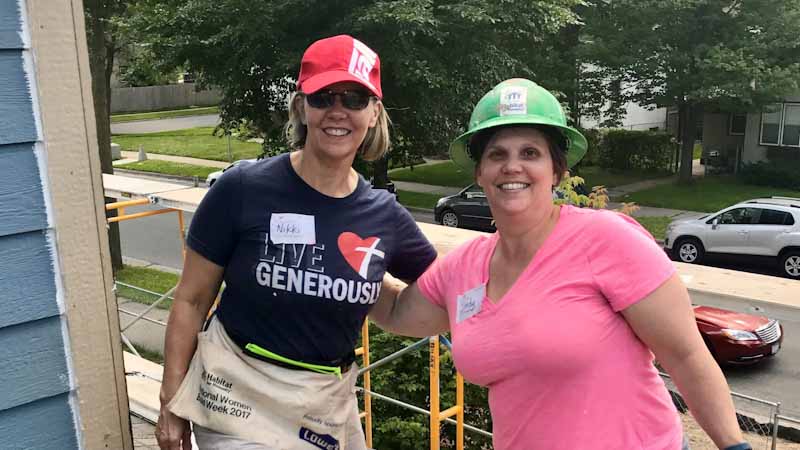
point(232, 393)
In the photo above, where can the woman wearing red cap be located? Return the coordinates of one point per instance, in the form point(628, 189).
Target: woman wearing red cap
point(302, 243)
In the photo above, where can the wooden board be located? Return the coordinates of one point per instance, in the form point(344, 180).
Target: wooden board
point(122, 187)
point(732, 283)
point(185, 199)
point(143, 378)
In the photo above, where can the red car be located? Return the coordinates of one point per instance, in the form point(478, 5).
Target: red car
point(738, 338)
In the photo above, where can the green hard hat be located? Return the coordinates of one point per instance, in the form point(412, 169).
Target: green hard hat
point(518, 102)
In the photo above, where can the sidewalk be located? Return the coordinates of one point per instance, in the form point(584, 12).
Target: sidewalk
point(129, 157)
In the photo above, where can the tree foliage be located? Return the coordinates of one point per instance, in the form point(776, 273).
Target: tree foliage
point(437, 56)
point(732, 55)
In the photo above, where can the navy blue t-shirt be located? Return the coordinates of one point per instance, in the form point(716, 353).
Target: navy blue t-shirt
point(304, 301)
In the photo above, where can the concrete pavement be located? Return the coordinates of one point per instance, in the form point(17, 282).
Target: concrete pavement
point(154, 126)
point(129, 157)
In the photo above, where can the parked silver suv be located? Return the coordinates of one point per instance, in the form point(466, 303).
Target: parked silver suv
point(767, 227)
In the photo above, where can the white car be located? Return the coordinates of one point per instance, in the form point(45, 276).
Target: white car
point(762, 227)
point(212, 177)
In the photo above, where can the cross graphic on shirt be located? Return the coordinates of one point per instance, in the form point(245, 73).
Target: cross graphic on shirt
point(369, 252)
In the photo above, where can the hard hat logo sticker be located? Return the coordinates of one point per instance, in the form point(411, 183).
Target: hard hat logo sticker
point(513, 100)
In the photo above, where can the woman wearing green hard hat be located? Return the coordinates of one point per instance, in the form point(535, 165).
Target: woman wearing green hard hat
point(557, 313)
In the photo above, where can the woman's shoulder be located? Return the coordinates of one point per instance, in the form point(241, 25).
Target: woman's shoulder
point(473, 251)
point(598, 220)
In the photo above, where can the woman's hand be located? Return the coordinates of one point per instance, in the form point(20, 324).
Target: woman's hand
point(172, 432)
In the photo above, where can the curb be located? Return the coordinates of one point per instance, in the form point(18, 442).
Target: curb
point(418, 209)
point(128, 261)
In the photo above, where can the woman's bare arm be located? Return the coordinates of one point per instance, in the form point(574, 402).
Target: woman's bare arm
point(402, 309)
point(197, 288)
point(664, 320)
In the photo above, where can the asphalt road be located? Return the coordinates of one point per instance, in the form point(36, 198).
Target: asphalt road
point(152, 126)
point(776, 379)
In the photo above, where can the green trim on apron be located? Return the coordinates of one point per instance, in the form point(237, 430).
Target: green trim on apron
point(260, 351)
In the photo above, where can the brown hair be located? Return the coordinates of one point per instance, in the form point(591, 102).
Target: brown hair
point(556, 143)
point(373, 148)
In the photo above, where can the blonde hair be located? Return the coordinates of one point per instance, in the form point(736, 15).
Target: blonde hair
point(375, 144)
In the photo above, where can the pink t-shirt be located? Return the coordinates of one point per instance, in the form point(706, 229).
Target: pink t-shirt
point(563, 368)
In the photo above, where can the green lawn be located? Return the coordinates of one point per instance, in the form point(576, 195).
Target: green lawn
point(149, 355)
point(194, 142)
point(439, 174)
point(418, 199)
point(149, 279)
point(597, 176)
point(707, 194)
point(197, 111)
point(657, 226)
point(169, 168)
point(448, 174)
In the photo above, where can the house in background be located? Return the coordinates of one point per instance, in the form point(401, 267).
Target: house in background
point(742, 138)
point(60, 353)
point(636, 118)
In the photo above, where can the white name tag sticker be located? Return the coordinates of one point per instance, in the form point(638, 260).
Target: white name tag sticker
point(290, 228)
point(469, 303)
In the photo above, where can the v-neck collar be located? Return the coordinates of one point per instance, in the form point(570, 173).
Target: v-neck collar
point(534, 262)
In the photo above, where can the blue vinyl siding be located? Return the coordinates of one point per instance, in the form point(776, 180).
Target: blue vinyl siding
point(35, 407)
point(20, 191)
point(46, 424)
point(16, 108)
point(34, 364)
point(10, 25)
point(27, 279)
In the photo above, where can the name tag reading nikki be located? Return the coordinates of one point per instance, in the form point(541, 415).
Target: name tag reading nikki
point(469, 303)
point(290, 228)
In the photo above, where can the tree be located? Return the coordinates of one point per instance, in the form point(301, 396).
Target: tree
point(103, 44)
point(438, 57)
point(697, 55)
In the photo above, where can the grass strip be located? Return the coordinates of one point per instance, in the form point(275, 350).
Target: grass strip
point(169, 168)
point(193, 142)
point(705, 194)
point(149, 279)
point(156, 115)
point(418, 199)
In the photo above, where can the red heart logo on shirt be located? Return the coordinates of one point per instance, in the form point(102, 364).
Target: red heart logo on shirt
point(359, 252)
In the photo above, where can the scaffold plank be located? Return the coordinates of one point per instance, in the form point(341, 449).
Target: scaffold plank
point(184, 199)
point(120, 186)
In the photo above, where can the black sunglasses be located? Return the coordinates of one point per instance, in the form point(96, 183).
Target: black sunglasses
point(355, 100)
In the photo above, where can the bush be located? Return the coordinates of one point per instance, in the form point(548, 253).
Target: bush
point(639, 150)
point(594, 137)
point(778, 174)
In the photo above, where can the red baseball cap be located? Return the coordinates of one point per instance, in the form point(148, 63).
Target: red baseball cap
point(339, 58)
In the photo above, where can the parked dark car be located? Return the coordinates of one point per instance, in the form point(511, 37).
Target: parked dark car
point(467, 209)
point(738, 338)
point(470, 209)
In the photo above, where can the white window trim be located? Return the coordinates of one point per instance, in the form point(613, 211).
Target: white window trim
point(780, 128)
